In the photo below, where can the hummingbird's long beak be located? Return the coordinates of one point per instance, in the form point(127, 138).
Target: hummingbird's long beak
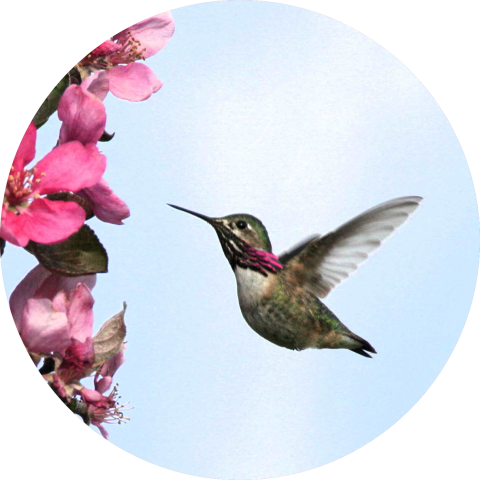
point(199, 215)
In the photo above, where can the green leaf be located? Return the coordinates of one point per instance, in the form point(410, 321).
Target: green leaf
point(50, 104)
point(62, 196)
point(109, 339)
point(2, 246)
point(80, 254)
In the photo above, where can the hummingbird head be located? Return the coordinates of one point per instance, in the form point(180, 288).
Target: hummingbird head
point(244, 241)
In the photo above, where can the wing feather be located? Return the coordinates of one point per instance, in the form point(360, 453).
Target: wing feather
point(321, 263)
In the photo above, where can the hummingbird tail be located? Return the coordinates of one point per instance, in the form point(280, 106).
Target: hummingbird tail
point(361, 352)
point(360, 345)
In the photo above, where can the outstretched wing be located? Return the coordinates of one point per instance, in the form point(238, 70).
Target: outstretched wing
point(321, 263)
point(296, 249)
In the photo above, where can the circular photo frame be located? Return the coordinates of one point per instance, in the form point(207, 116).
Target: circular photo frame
point(277, 126)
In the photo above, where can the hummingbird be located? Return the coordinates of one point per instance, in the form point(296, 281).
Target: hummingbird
point(279, 296)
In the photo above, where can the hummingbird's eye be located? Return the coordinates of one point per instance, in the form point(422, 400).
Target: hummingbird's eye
point(241, 225)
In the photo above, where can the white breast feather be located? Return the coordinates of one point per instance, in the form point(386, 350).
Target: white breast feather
point(251, 286)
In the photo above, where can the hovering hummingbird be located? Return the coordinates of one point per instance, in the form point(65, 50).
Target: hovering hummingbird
point(278, 295)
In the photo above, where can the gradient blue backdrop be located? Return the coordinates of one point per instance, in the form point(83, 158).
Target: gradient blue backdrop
point(303, 122)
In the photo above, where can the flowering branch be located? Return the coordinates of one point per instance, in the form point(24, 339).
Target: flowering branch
point(44, 211)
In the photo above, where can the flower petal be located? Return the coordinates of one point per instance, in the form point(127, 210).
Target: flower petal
point(91, 396)
point(113, 363)
point(45, 221)
point(26, 150)
point(103, 384)
point(153, 33)
point(106, 48)
point(71, 167)
point(5, 231)
point(25, 290)
point(40, 283)
point(83, 116)
point(106, 205)
point(134, 82)
point(54, 283)
point(80, 313)
point(97, 84)
point(43, 330)
point(14, 228)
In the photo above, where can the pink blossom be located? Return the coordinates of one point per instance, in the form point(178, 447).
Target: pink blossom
point(102, 409)
point(83, 118)
point(107, 206)
point(113, 61)
point(77, 361)
point(44, 330)
point(41, 283)
point(82, 115)
point(48, 326)
point(108, 370)
point(51, 311)
point(26, 213)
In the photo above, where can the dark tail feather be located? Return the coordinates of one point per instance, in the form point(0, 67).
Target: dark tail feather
point(364, 346)
point(362, 352)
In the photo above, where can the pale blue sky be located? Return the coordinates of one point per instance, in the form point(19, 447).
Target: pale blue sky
point(304, 123)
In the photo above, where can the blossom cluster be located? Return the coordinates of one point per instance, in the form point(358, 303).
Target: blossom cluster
point(54, 316)
point(45, 207)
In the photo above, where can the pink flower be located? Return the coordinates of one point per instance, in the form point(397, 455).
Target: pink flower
point(48, 326)
point(26, 213)
point(107, 206)
point(77, 362)
point(102, 409)
point(108, 370)
point(83, 119)
point(52, 312)
point(40, 283)
point(113, 61)
point(82, 115)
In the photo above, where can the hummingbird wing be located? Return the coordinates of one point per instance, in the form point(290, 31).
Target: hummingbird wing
point(296, 249)
point(321, 263)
